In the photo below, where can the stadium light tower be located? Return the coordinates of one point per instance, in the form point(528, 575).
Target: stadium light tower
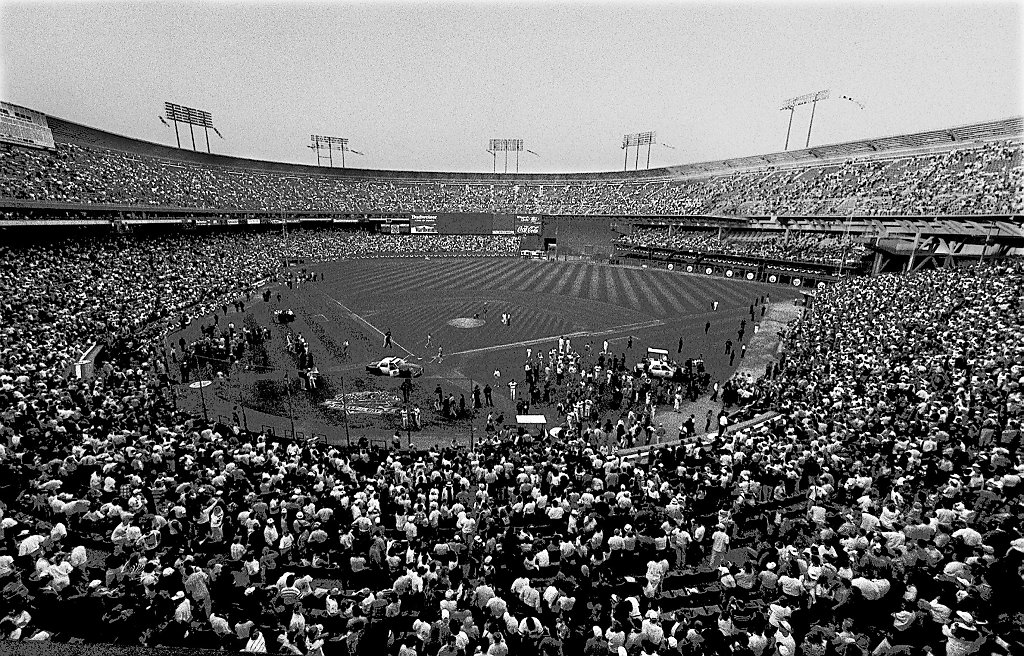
point(495, 146)
point(635, 141)
point(331, 144)
point(793, 103)
point(192, 117)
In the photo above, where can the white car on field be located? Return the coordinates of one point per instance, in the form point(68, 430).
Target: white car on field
point(395, 368)
point(661, 370)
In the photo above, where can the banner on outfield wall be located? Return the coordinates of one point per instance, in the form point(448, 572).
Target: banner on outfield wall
point(503, 224)
point(465, 223)
point(423, 224)
point(528, 225)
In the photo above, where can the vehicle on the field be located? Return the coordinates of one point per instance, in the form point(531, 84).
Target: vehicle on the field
point(661, 370)
point(395, 368)
point(657, 364)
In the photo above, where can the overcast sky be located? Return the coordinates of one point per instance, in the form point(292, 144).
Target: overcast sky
point(424, 85)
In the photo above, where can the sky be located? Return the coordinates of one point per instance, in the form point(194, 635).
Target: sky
point(425, 85)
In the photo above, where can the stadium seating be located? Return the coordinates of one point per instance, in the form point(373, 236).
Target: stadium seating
point(818, 248)
point(877, 508)
point(975, 179)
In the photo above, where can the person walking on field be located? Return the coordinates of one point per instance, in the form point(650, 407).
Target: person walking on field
point(512, 385)
point(387, 339)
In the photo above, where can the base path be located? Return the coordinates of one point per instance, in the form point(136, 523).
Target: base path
point(366, 323)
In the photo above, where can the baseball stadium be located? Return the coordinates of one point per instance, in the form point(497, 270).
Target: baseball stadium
point(763, 405)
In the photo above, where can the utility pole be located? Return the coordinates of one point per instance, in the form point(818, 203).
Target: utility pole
point(344, 406)
point(291, 413)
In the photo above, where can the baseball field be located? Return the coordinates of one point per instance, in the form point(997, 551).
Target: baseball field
point(460, 303)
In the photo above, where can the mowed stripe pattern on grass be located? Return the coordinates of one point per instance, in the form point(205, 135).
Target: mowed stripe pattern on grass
point(370, 284)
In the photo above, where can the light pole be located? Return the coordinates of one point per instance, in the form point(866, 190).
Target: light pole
point(201, 384)
point(789, 129)
point(472, 412)
point(245, 420)
point(635, 140)
point(291, 414)
point(330, 144)
point(505, 146)
point(344, 407)
point(793, 103)
point(191, 117)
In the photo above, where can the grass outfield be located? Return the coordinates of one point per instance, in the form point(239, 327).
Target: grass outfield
point(360, 299)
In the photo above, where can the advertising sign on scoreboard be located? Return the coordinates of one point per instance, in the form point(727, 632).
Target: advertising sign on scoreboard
point(423, 224)
point(527, 225)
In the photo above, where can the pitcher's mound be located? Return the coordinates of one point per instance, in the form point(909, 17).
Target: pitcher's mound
point(466, 322)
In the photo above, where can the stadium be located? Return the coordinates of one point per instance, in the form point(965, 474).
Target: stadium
point(766, 405)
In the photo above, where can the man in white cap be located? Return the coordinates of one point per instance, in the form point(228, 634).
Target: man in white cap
point(183, 607)
point(784, 640)
point(719, 546)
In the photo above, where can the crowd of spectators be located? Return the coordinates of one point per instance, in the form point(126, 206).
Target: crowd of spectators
point(973, 179)
point(821, 248)
point(878, 512)
point(366, 245)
